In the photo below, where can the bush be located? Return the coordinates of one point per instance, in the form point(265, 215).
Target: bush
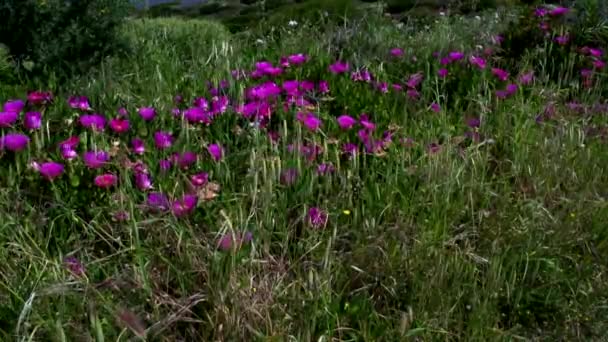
point(60, 36)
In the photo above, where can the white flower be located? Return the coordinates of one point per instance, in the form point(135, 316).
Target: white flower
point(292, 23)
point(259, 41)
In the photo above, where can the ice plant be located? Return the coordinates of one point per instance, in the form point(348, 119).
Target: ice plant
point(50, 170)
point(119, 125)
point(163, 140)
point(164, 164)
point(96, 122)
point(346, 122)
point(478, 61)
point(325, 168)
point(456, 56)
point(138, 146)
point(147, 113)
point(323, 87)
point(442, 73)
point(32, 120)
point(184, 205)
point(500, 74)
point(143, 181)
point(199, 179)
point(14, 142)
point(185, 159)
point(79, 102)
point(68, 147)
point(310, 121)
point(396, 52)
point(526, 78)
point(39, 97)
point(157, 201)
point(435, 107)
point(106, 180)
point(74, 266)
point(95, 160)
point(562, 40)
point(339, 67)
point(234, 241)
point(297, 59)
point(365, 121)
point(216, 151)
point(289, 176)
point(558, 11)
point(317, 217)
point(13, 106)
point(7, 119)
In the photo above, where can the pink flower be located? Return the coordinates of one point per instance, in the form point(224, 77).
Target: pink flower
point(32, 120)
point(14, 142)
point(310, 121)
point(95, 122)
point(79, 102)
point(119, 125)
point(184, 206)
point(39, 97)
point(297, 59)
point(234, 241)
point(157, 201)
point(527, 78)
point(558, 11)
point(289, 176)
point(7, 119)
point(147, 113)
point(163, 140)
point(346, 122)
point(366, 123)
point(95, 160)
point(74, 266)
point(323, 87)
point(415, 80)
point(435, 107)
point(215, 151)
point(185, 159)
point(325, 168)
point(199, 179)
point(138, 146)
point(396, 52)
point(599, 64)
point(106, 180)
point(143, 181)
point(500, 74)
point(456, 56)
point(50, 170)
point(339, 67)
point(317, 217)
point(197, 115)
point(562, 40)
point(13, 106)
point(442, 73)
point(478, 61)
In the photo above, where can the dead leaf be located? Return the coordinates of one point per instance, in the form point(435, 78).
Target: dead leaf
point(208, 192)
point(133, 322)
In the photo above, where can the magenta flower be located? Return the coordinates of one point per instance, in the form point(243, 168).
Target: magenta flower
point(121, 216)
point(7, 119)
point(163, 140)
point(511, 89)
point(95, 122)
point(143, 181)
point(51, 170)
point(435, 107)
point(122, 111)
point(592, 51)
point(235, 241)
point(396, 52)
point(414, 80)
point(297, 59)
point(456, 56)
point(558, 11)
point(79, 102)
point(500, 74)
point(13, 106)
point(32, 120)
point(164, 165)
point(526, 78)
point(147, 113)
point(339, 67)
point(540, 12)
point(201, 103)
point(199, 179)
point(215, 151)
point(106, 180)
point(478, 61)
point(74, 266)
point(185, 160)
point(562, 40)
point(317, 217)
point(14, 142)
point(323, 87)
point(289, 176)
point(184, 206)
point(68, 146)
point(473, 122)
point(310, 121)
point(157, 201)
point(95, 160)
point(350, 149)
point(119, 125)
point(433, 148)
point(138, 146)
point(445, 61)
point(346, 122)
point(413, 93)
point(366, 123)
point(442, 73)
point(325, 168)
point(599, 64)
point(39, 97)
point(197, 115)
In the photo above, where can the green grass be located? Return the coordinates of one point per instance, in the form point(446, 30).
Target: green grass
point(497, 239)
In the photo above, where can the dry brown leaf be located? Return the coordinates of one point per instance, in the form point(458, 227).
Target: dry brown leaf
point(208, 192)
point(133, 322)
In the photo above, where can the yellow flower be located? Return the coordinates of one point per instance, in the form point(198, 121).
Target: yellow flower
point(346, 212)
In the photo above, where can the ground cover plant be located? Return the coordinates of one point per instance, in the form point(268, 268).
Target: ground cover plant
point(360, 181)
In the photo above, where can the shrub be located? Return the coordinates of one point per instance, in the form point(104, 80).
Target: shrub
point(61, 36)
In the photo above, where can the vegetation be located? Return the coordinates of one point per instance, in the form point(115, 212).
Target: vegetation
point(330, 178)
